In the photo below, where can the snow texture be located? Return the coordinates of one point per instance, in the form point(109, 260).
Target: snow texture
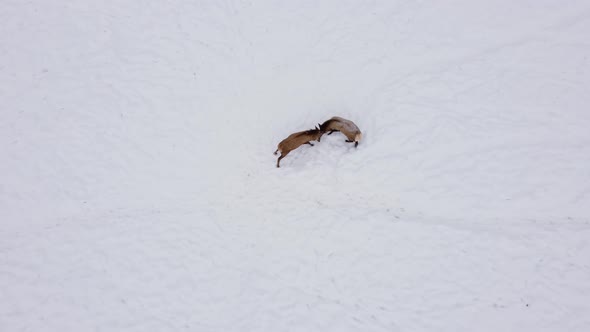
point(138, 189)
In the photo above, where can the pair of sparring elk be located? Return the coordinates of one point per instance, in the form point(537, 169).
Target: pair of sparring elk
point(347, 127)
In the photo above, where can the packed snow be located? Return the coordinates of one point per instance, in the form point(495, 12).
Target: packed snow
point(139, 190)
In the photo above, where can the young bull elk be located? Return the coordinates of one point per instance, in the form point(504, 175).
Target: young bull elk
point(347, 127)
point(296, 140)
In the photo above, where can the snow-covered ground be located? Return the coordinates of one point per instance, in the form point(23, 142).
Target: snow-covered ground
point(138, 189)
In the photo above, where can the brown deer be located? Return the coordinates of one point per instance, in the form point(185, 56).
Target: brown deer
point(347, 127)
point(296, 140)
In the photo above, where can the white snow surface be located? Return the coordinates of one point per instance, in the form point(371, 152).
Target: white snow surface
point(138, 189)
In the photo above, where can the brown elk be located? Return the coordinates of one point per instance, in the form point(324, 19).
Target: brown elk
point(347, 127)
point(296, 140)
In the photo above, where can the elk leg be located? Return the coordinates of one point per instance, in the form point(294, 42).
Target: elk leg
point(331, 131)
point(279, 160)
point(276, 152)
point(348, 141)
point(309, 143)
